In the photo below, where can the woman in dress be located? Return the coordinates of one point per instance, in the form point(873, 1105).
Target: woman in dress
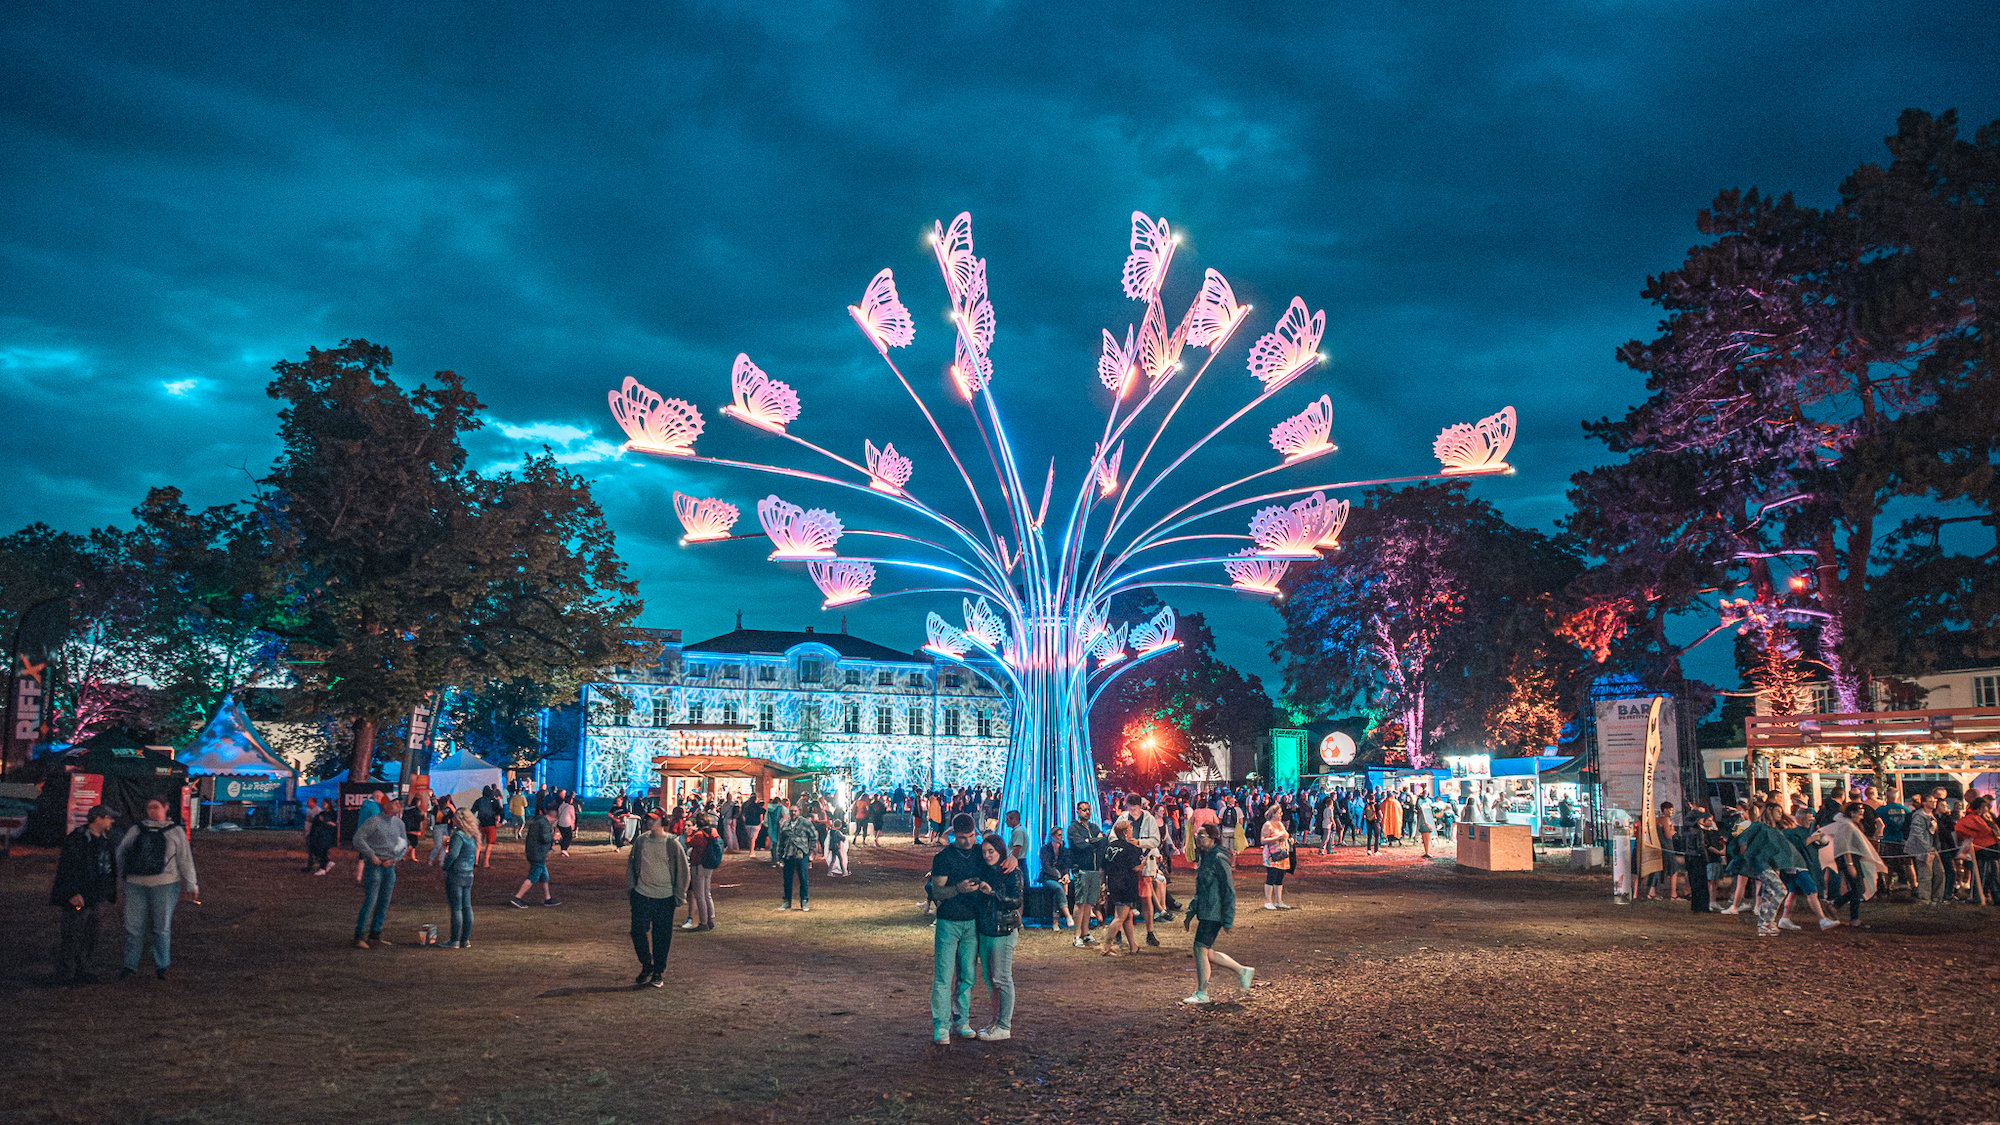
point(1214, 907)
point(1277, 843)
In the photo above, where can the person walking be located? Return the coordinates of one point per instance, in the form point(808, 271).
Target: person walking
point(1085, 851)
point(656, 882)
point(956, 875)
point(1278, 858)
point(541, 840)
point(1373, 817)
point(381, 841)
point(1420, 815)
point(1701, 842)
point(1768, 858)
point(793, 844)
point(619, 815)
point(487, 811)
point(320, 838)
point(461, 855)
point(775, 815)
point(86, 878)
point(566, 810)
point(158, 866)
point(1123, 860)
point(704, 856)
point(1001, 892)
point(1214, 907)
point(1853, 855)
point(836, 844)
point(517, 815)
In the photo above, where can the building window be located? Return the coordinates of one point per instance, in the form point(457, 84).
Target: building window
point(1732, 767)
point(1986, 691)
point(767, 717)
point(729, 712)
point(885, 721)
point(809, 720)
point(885, 678)
point(809, 671)
point(697, 712)
point(732, 671)
point(951, 722)
point(916, 720)
point(852, 678)
point(850, 719)
point(1819, 699)
point(697, 671)
point(951, 679)
point(663, 711)
point(982, 721)
point(766, 673)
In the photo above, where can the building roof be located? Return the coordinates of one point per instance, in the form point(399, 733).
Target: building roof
point(777, 642)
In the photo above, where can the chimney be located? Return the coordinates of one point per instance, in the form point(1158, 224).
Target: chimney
point(843, 624)
point(739, 619)
point(809, 628)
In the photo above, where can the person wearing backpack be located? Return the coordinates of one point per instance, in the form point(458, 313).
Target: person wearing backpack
point(488, 812)
point(705, 847)
point(159, 865)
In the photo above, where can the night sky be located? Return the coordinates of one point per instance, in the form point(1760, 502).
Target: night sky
point(549, 203)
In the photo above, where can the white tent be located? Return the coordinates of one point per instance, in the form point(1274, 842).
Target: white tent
point(230, 750)
point(462, 776)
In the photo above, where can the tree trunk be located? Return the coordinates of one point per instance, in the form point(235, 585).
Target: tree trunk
point(364, 750)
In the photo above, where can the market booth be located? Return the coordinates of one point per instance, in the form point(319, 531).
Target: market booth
point(463, 777)
point(113, 768)
point(238, 775)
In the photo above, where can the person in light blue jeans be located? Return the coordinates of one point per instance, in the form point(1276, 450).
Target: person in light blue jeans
point(381, 841)
point(158, 865)
point(1001, 889)
point(955, 878)
point(459, 858)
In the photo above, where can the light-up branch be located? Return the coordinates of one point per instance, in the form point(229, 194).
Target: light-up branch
point(1036, 614)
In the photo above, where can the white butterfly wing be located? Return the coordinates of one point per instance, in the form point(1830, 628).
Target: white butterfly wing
point(882, 316)
point(1152, 252)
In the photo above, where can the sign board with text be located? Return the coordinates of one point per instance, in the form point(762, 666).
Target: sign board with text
point(1621, 755)
point(85, 790)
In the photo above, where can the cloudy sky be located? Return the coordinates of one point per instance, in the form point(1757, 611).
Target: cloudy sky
point(548, 201)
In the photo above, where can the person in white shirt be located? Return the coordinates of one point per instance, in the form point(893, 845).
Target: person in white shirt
point(1152, 881)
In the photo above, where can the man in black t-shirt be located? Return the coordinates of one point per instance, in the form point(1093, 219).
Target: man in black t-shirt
point(954, 883)
point(1086, 840)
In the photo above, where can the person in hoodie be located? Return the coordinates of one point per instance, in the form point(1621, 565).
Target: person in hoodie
point(86, 878)
point(656, 879)
point(382, 840)
point(158, 865)
point(1214, 907)
point(461, 855)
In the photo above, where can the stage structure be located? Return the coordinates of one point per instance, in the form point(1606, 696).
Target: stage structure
point(1037, 591)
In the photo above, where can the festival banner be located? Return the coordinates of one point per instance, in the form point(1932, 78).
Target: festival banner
point(1651, 860)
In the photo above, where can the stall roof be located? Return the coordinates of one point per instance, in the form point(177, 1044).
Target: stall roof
point(230, 745)
point(1546, 769)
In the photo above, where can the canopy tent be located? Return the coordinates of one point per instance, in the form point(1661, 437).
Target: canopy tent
point(1547, 770)
point(133, 774)
point(329, 789)
point(462, 777)
point(230, 747)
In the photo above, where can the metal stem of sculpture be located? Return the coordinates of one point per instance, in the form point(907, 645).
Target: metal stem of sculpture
point(1037, 605)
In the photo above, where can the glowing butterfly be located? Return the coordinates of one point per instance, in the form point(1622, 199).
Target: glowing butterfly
point(888, 470)
point(1213, 317)
point(953, 248)
point(1281, 354)
point(841, 580)
point(704, 520)
point(1152, 252)
point(1335, 520)
point(1109, 647)
point(1107, 471)
point(1293, 531)
point(1304, 435)
point(1258, 575)
point(945, 639)
point(654, 424)
point(1159, 353)
point(970, 369)
point(881, 315)
point(1155, 634)
point(1115, 368)
point(1477, 447)
point(762, 401)
point(798, 534)
point(974, 313)
point(1090, 622)
point(984, 625)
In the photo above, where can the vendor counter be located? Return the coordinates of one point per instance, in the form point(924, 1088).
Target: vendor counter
point(1495, 847)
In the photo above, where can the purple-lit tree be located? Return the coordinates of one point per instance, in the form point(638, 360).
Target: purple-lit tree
point(1038, 567)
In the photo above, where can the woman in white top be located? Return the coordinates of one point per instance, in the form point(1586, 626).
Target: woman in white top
point(1278, 859)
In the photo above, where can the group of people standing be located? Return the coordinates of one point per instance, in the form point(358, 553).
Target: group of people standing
point(151, 864)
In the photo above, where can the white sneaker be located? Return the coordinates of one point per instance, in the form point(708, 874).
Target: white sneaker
point(1243, 976)
point(942, 1038)
point(1197, 998)
point(1270, 906)
point(994, 1034)
point(1080, 943)
point(688, 925)
point(1788, 924)
point(964, 1031)
point(1827, 923)
point(1730, 910)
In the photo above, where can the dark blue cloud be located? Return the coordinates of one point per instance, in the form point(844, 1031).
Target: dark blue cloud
point(549, 201)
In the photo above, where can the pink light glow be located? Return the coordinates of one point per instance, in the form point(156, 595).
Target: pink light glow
point(1336, 519)
point(970, 369)
point(1152, 253)
point(1294, 531)
point(1107, 471)
point(762, 401)
point(888, 470)
point(1215, 314)
point(945, 639)
point(1156, 633)
point(1477, 447)
point(1114, 365)
point(797, 533)
point(1304, 435)
point(654, 424)
point(704, 520)
point(984, 625)
point(1281, 354)
point(1257, 575)
point(1159, 352)
point(954, 253)
point(881, 315)
point(841, 580)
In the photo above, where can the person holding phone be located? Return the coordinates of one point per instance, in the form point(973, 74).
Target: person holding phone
point(956, 874)
point(1001, 890)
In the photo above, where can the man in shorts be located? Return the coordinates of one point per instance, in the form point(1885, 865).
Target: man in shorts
point(487, 809)
point(1086, 840)
point(541, 841)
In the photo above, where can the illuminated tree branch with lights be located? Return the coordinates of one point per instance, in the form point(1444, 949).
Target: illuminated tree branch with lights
point(1035, 588)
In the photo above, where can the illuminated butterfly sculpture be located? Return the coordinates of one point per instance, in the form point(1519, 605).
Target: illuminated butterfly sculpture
point(1037, 585)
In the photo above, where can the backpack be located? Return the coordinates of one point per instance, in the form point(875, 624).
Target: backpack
point(148, 853)
point(711, 854)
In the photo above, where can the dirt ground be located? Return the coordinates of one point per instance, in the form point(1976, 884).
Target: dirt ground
point(1399, 991)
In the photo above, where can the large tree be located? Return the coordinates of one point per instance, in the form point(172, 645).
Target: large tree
point(1182, 710)
point(1814, 366)
point(410, 571)
point(1435, 613)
